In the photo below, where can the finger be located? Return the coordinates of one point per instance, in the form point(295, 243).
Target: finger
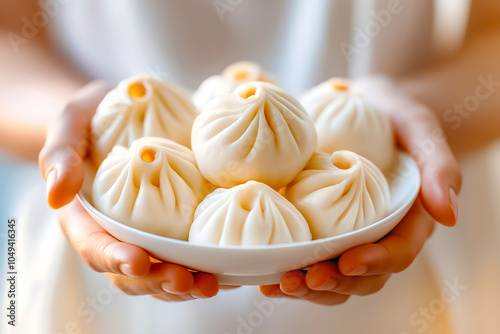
point(289, 281)
point(173, 298)
point(317, 297)
point(163, 278)
point(101, 251)
point(324, 276)
point(393, 253)
point(271, 291)
point(205, 286)
point(293, 285)
point(421, 135)
point(67, 143)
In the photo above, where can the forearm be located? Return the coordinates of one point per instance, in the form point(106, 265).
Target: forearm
point(34, 85)
point(464, 91)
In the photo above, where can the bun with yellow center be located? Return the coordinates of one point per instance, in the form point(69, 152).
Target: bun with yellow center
point(344, 120)
point(141, 106)
point(339, 193)
point(153, 186)
point(258, 132)
point(234, 75)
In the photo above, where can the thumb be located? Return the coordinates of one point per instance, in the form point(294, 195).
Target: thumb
point(67, 144)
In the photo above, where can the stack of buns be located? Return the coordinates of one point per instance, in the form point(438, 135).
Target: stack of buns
point(240, 161)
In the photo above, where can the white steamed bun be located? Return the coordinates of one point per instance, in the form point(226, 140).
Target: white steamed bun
point(344, 120)
point(231, 77)
point(247, 214)
point(142, 106)
point(339, 193)
point(153, 186)
point(258, 132)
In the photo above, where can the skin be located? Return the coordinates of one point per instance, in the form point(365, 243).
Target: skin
point(363, 270)
point(415, 104)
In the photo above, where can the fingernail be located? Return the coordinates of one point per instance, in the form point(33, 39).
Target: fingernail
point(454, 202)
point(125, 269)
point(51, 180)
point(167, 287)
point(330, 284)
point(276, 292)
point(361, 270)
point(290, 283)
point(195, 293)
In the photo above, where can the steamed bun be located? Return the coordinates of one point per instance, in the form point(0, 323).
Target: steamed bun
point(344, 120)
point(231, 77)
point(142, 106)
point(339, 193)
point(248, 214)
point(153, 186)
point(258, 132)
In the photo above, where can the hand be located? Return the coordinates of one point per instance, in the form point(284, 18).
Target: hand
point(364, 269)
point(129, 267)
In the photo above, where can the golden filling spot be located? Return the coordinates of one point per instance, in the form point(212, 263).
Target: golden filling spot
point(342, 162)
point(249, 92)
point(148, 155)
point(240, 75)
point(137, 90)
point(340, 85)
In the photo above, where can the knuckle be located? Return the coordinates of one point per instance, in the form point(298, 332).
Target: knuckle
point(106, 254)
point(91, 252)
point(71, 158)
point(63, 155)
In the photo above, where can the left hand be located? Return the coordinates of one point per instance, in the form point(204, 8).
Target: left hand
point(364, 269)
point(127, 266)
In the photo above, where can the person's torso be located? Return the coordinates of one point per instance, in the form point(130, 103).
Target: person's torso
point(300, 42)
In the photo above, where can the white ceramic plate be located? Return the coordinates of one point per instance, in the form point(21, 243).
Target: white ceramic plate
point(261, 265)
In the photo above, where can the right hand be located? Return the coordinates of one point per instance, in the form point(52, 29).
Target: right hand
point(364, 269)
point(129, 267)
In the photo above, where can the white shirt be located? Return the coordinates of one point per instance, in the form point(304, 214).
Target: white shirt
point(300, 42)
